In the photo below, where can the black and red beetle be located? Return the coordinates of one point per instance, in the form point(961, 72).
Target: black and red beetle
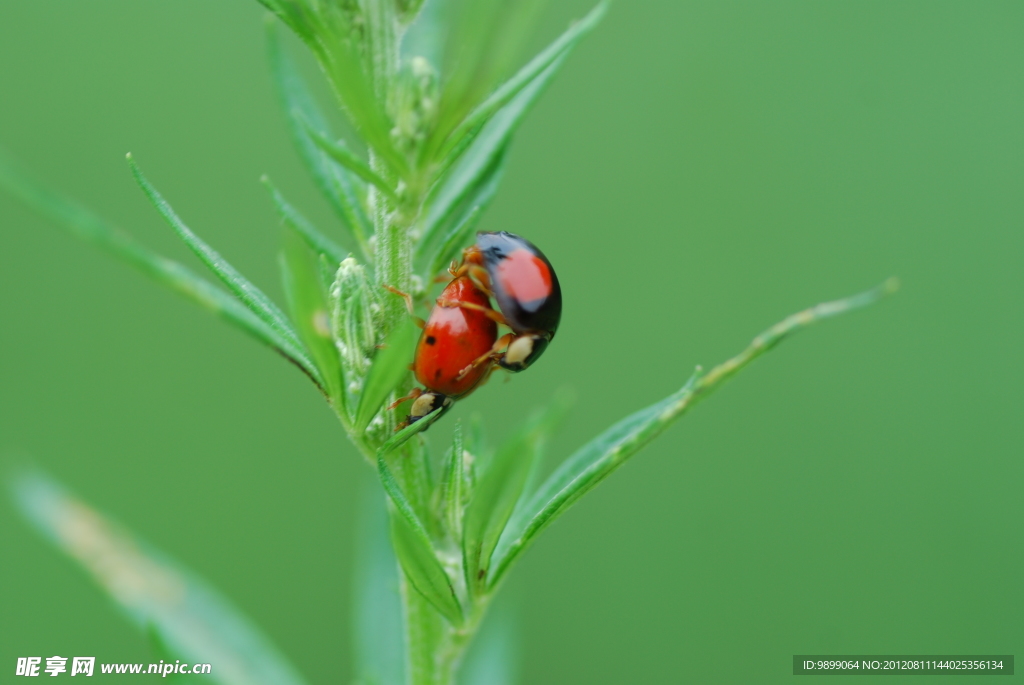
point(459, 331)
point(459, 346)
point(523, 283)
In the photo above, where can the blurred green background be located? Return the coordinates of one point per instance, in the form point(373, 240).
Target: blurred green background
point(698, 171)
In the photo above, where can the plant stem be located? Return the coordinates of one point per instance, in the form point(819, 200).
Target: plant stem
point(423, 631)
point(434, 647)
point(453, 648)
point(393, 250)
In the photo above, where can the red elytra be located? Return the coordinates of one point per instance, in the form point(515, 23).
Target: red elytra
point(458, 333)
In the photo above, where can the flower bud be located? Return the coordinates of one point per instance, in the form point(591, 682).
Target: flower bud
point(355, 320)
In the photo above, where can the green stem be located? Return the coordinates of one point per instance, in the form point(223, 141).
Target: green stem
point(393, 249)
point(434, 647)
point(424, 628)
point(453, 648)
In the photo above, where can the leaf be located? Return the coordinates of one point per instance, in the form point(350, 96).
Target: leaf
point(89, 227)
point(467, 216)
point(293, 16)
point(390, 366)
point(338, 53)
point(476, 449)
point(307, 301)
point(480, 155)
point(498, 490)
point(336, 184)
point(251, 296)
point(193, 620)
point(415, 551)
point(453, 484)
point(408, 10)
point(413, 473)
point(423, 569)
point(534, 70)
point(298, 223)
point(483, 39)
point(593, 462)
point(400, 437)
point(340, 153)
point(377, 629)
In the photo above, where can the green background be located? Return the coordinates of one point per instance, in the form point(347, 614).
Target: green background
point(697, 172)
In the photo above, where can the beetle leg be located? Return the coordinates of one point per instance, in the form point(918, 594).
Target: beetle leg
point(470, 268)
point(480, 277)
point(405, 296)
point(492, 354)
point(491, 314)
point(416, 392)
point(420, 323)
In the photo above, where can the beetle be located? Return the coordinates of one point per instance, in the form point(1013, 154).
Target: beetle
point(460, 330)
point(522, 281)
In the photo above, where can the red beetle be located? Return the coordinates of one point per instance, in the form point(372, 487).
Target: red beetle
point(523, 282)
point(460, 330)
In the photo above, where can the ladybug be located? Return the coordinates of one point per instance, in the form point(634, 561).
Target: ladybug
point(461, 330)
point(523, 283)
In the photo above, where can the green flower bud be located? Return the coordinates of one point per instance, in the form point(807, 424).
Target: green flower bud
point(355, 321)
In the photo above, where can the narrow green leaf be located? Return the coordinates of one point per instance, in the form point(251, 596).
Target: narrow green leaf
point(348, 73)
point(377, 627)
point(400, 437)
point(482, 42)
point(593, 462)
point(194, 621)
point(390, 366)
point(251, 296)
point(453, 484)
point(415, 551)
point(292, 14)
point(414, 475)
point(462, 189)
point(408, 10)
point(498, 490)
point(307, 300)
point(480, 154)
point(477, 452)
point(87, 226)
point(532, 71)
point(340, 153)
point(458, 237)
point(341, 189)
point(292, 218)
point(423, 569)
point(467, 218)
point(477, 164)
